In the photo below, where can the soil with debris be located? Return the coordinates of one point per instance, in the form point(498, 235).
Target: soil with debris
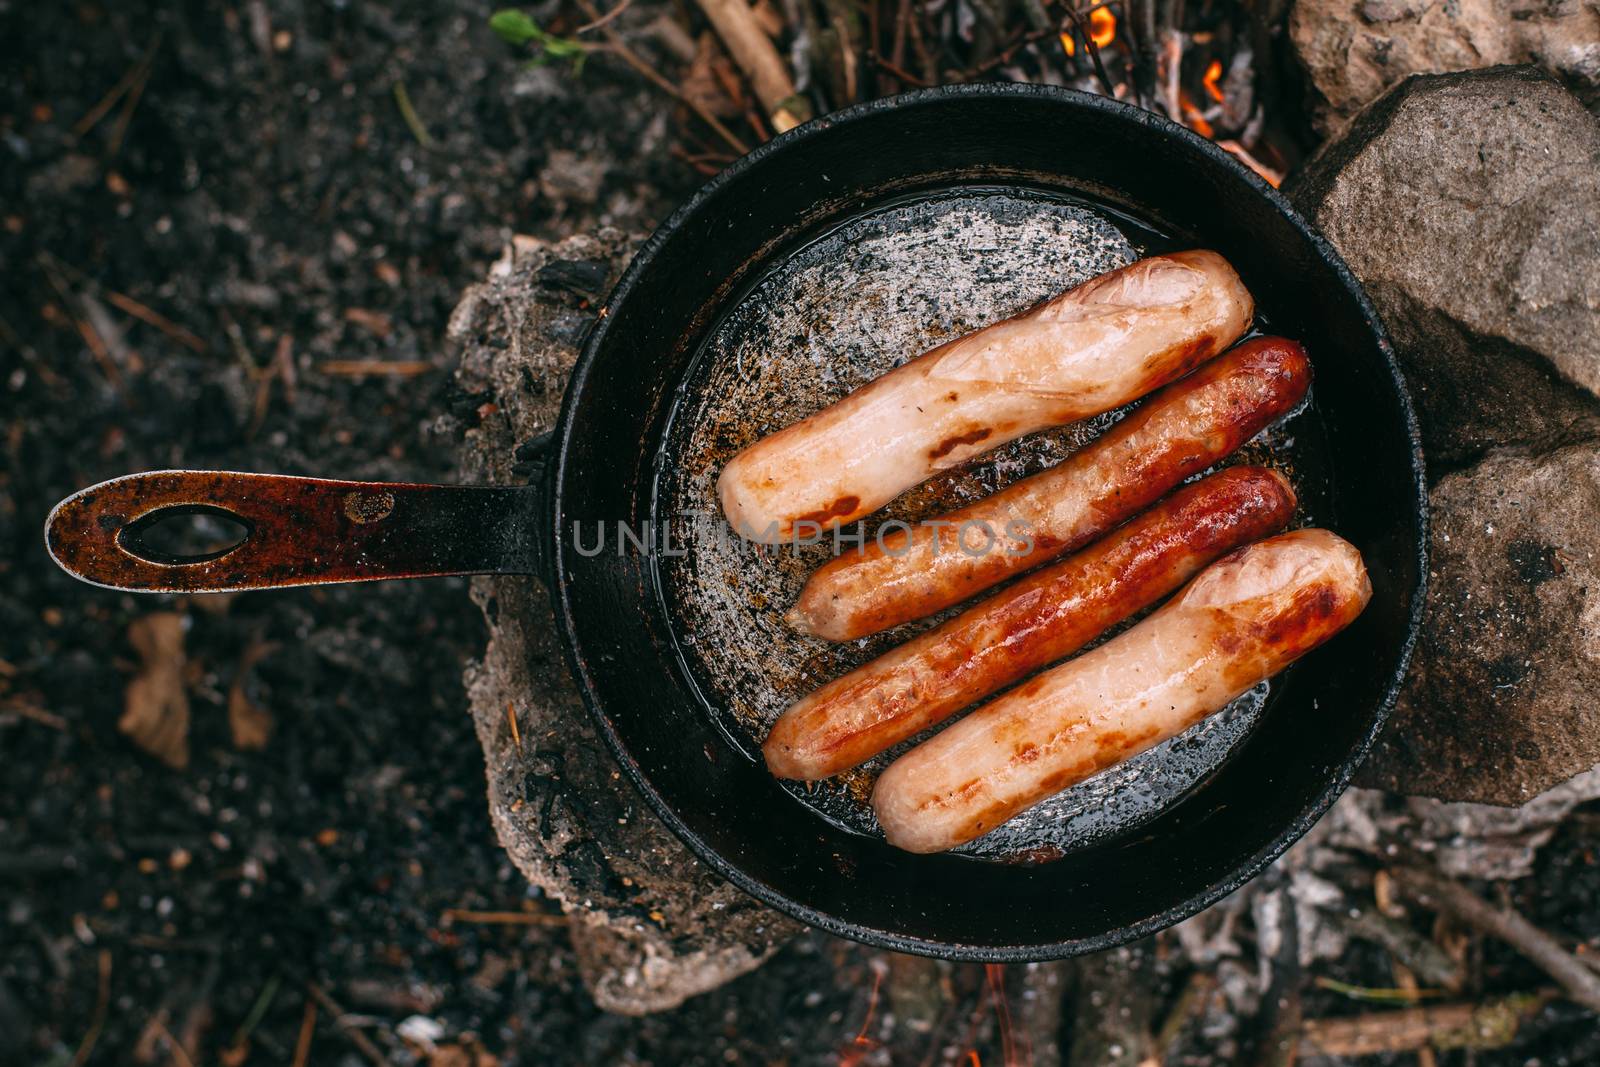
point(252, 829)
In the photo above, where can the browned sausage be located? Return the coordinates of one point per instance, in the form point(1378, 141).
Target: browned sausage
point(1093, 348)
point(1245, 618)
point(1035, 622)
point(1177, 433)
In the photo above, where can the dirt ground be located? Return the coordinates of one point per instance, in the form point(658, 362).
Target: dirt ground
point(286, 185)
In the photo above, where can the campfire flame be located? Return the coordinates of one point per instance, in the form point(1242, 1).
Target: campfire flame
point(1102, 27)
point(1008, 1037)
point(1212, 80)
point(861, 1045)
point(1193, 116)
point(1102, 31)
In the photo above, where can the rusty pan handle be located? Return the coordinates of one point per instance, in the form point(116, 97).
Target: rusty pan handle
point(299, 531)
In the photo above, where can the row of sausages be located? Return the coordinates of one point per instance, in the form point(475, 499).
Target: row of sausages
point(1250, 606)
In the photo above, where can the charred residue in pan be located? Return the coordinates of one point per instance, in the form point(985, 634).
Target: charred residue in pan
point(859, 300)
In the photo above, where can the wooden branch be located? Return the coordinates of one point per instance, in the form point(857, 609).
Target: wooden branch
point(1490, 1025)
point(1430, 887)
point(757, 57)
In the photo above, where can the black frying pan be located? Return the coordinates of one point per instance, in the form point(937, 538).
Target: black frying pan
point(939, 210)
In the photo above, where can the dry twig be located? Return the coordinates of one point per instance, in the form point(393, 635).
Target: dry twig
point(363, 1044)
point(1582, 984)
point(1492, 1024)
point(102, 1003)
point(308, 1028)
point(618, 47)
point(362, 368)
point(504, 918)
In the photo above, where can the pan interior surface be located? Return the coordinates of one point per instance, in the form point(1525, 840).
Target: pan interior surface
point(683, 717)
point(864, 297)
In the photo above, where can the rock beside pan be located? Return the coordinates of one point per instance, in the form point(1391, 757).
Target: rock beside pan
point(1469, 207)
point(1353, 50)
point(651, 926)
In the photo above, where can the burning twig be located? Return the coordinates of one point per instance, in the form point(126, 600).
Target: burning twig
point(1092, 35)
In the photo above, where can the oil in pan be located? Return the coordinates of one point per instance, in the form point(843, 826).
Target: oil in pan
point(857, 301)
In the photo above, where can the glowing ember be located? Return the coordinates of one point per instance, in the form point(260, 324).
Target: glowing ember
point(1213, 80)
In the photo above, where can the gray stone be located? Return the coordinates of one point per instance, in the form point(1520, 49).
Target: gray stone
point(1469, 207)
point(651, 925)
point(1500, 705)
point(1353, 50)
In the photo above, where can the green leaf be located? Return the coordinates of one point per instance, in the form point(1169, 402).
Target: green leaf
point(514, 26)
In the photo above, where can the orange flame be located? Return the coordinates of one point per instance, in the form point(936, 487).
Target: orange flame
point(1268, 174)
point(1008, 1036)
point(856, 1051)
point(1191, 114)
point(1102, 26)
point(1212, 80)
point(1102, 31)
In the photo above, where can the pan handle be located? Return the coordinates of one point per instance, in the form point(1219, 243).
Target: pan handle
point(298, 531)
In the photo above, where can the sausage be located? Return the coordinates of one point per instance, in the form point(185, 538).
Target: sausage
point(1244, 619)
point(1100, 345)
point(1182, 430)
point(1039, 620)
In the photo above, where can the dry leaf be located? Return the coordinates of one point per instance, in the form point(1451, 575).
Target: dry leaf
point(155, 713)
point(250, 723)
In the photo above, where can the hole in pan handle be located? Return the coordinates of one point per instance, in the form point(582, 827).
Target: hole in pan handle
point(286, 531)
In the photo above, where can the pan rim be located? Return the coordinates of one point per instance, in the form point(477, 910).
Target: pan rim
point(1241, 873)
